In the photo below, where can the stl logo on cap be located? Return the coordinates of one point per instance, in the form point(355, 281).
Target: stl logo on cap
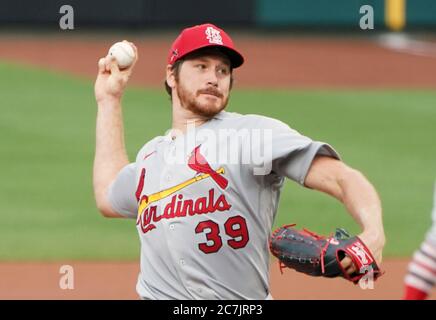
point(213, 35)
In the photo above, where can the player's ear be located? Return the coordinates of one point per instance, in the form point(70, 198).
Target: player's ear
point(170, 76)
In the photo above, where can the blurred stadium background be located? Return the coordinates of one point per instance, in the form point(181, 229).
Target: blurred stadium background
point(370, 93)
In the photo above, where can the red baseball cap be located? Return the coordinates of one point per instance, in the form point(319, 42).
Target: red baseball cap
point(202, 36)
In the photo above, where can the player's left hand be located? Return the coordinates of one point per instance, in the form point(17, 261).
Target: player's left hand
point(317, 255)
point(375, 242)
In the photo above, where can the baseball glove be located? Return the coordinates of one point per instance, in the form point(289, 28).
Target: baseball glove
point(315, 255)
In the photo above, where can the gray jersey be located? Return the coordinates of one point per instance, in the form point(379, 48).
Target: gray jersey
point(204, 211)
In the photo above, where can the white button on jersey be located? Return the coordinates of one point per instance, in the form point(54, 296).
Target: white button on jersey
point(182, 262)
point(171, 226)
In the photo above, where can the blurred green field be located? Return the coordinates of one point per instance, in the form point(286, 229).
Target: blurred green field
point(47, 125)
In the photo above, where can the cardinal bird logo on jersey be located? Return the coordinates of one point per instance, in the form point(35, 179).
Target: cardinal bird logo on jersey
point(178, 206)
point(198, 163)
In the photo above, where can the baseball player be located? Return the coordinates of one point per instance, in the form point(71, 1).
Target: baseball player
point(421, 275)
point(205, 194)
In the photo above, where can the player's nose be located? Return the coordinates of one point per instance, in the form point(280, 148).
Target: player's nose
point(212, 78)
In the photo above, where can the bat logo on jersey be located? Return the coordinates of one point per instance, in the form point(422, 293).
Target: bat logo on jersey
point(179, 207)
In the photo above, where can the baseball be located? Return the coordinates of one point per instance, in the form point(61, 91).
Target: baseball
point(123, 53)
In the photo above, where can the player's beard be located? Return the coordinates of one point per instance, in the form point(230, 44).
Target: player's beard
point(190, 101)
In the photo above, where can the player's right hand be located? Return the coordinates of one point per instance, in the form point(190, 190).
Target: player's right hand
point(111, 81)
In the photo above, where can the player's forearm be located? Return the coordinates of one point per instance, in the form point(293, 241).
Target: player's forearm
point(363, 203)
point(110, 151)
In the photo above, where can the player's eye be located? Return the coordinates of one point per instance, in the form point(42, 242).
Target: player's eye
point(201, 66)
point(224, 71)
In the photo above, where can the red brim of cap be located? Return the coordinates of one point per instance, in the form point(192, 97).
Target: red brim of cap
point(236, 59)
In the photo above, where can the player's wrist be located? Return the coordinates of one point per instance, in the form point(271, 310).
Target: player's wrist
point(374, 235)
point(375, 240)
point(109, 101)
